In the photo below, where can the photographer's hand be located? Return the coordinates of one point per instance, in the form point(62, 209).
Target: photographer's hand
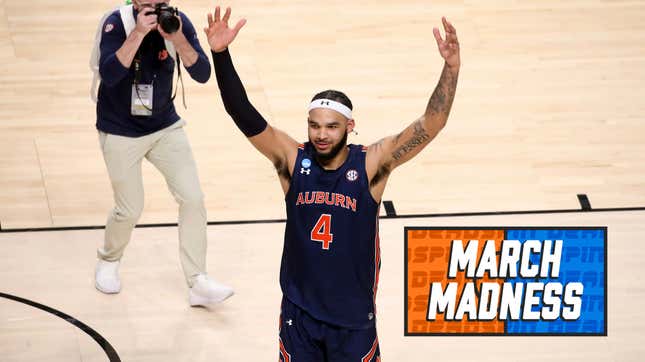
point(145, 23)
point(186, 51)
point(146, 20)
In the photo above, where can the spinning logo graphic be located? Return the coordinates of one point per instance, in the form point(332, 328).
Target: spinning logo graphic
point(506, 281)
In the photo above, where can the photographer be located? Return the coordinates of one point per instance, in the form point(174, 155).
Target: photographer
point(136, 118)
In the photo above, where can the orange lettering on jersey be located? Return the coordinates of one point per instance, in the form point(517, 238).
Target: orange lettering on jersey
point(320, 197)
point(309, 201)
point(340, 199)
point(351, 203)
point(329, 201)
point(326, 198)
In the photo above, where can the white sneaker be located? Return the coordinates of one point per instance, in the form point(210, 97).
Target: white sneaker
point(207, 291)
point(107, 277)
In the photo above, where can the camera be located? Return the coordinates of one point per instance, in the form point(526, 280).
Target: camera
point(167, 17)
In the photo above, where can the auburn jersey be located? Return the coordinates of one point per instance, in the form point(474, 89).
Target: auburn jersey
point(331, 256)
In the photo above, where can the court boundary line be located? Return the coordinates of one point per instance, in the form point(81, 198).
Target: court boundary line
point(386, 217)
point(111, 353)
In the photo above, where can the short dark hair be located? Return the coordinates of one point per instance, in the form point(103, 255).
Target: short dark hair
point(334, 95)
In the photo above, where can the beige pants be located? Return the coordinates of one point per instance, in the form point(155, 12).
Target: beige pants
point(169, 151)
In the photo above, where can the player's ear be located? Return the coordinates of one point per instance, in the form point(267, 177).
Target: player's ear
point(350, 125)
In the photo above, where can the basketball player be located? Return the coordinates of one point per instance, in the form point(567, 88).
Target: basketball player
point(331, 256)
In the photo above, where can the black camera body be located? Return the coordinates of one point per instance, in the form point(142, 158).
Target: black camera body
point(167, 17)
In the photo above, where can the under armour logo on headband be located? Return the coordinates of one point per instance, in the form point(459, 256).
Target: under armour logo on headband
point(333, 105)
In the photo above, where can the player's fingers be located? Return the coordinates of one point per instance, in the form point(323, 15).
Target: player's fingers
point(217, 18)
point(451, 38)
point(437, 36)
point(452, 28)
point(239, 25)
point(446, 27)
point(227, 15)
point(209, 17)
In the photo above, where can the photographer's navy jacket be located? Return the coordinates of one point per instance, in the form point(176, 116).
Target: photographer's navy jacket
point(157, 66)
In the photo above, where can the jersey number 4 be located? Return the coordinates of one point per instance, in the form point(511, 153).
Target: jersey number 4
point(322, 231)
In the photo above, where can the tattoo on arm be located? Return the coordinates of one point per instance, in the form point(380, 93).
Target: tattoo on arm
point(435, 116)
point(418, 138)
point(443, 95)
point(396, 139)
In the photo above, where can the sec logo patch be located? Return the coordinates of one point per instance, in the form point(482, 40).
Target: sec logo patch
point(351, 175)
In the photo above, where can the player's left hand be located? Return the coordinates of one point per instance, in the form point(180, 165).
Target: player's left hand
point(219, 34)
point(448, 48)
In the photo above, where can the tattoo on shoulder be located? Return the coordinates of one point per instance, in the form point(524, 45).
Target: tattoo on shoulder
point(419, 137)
point(398, 137)
point(378, 145)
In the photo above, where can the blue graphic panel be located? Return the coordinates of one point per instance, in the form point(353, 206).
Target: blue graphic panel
point(583, 261)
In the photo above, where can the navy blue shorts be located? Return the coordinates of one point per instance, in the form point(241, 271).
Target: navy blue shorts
point(304, 339)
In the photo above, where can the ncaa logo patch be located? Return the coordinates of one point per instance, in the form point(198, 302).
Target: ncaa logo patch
point(108, 28)
point(351, 175)
point(306, 163)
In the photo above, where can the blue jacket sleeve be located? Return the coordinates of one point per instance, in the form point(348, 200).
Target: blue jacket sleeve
point(112, 38)
point(201, 70)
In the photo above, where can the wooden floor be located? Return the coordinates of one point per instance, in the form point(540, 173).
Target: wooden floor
point(151, 321)
point(550, 104)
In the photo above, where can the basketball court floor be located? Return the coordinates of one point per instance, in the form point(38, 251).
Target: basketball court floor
point(549, 106)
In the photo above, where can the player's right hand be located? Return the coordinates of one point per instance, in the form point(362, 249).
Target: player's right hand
point(218, 33)
point(146, 22)
point(448, 48)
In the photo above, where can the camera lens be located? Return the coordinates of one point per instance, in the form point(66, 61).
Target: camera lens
point(169, 22)
point(167, 17)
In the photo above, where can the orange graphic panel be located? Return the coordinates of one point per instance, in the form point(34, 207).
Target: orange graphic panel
point(428, 255)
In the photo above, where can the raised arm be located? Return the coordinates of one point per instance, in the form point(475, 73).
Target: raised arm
point(276, 145)
point(390, 152)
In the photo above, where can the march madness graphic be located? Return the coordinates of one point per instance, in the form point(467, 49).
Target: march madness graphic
point(506, 281)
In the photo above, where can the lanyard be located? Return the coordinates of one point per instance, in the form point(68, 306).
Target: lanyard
point(137, 79)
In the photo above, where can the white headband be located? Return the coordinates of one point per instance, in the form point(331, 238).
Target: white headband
point(329, 104)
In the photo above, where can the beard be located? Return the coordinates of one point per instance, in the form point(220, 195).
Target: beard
point(324, 157)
